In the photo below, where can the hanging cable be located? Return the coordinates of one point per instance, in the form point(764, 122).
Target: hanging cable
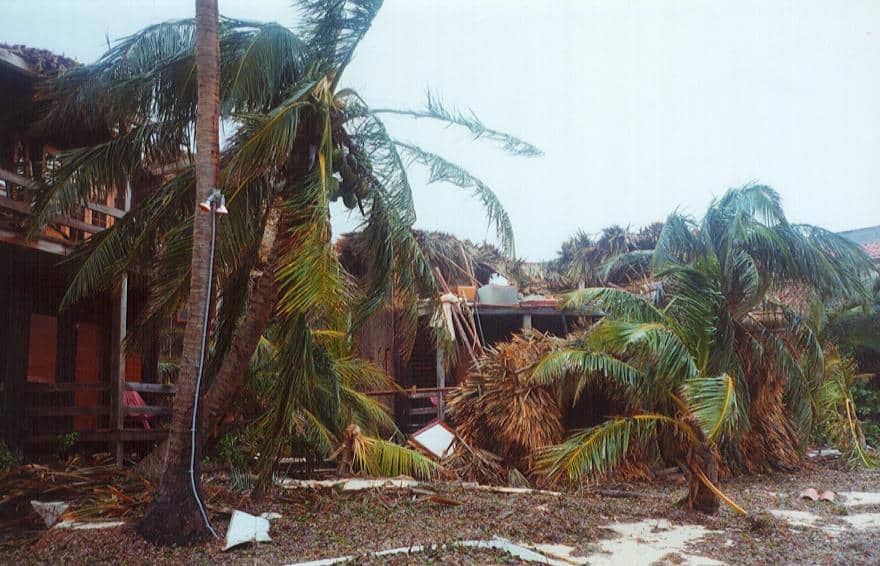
point(215, 205)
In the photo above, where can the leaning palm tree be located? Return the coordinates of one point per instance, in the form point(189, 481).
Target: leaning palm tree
point(298, 141)
point(648, 357)
point(314, 403)
point(711, 341)
point(746, 254)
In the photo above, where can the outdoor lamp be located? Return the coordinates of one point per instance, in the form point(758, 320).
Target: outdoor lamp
point(216, 197)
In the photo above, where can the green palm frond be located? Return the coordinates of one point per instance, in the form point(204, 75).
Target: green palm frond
point(597, 451)
point(837, 411)
point(435, 110)
point(366, 412)
point(378, 457)
point(92, 173)
point(614, 302)
point(443, 171)
point(651, 342)
point(713, 402)
point(580, 367)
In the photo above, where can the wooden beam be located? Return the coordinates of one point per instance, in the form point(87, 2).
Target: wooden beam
point(160, 388)
point(65, 411)
point(43, 244)
point(64, 387)
point(24, 208)
point(127, 435)
point(527, 324)
point(15, 178)
point(441, 379)
point(117, 367)
point(104, 209)
point(147, 410)
point(423, 411)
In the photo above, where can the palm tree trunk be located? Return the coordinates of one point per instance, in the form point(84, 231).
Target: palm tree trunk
point(702, 459)
point(174, 516)
point(220, 397)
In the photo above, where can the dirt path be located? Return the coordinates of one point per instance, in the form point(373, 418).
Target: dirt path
point(322, 524)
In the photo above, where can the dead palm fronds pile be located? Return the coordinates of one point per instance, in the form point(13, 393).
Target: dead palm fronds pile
point(97, 492)
point(498, 409)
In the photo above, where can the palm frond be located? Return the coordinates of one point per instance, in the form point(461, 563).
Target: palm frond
point(614, 302)
point(597, 451)
point(436, 110)
point(443, 171)
point(378, 457)
point(713, 402)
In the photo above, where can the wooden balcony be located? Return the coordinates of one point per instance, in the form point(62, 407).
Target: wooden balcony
point(63, 232)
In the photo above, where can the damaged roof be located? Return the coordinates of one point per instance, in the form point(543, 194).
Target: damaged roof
point(34, 60)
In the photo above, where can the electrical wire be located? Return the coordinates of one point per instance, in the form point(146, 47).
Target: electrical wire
point(192, 457)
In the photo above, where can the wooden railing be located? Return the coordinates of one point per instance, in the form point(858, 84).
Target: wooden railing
point(88, 225)
point(111, 434)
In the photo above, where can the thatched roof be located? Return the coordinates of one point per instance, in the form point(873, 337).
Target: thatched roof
point(34, 60)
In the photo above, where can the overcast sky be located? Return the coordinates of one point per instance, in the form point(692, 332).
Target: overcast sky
point(641, 107)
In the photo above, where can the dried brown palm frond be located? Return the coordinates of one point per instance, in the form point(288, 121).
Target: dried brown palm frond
point(469, 463)
point(499, 410)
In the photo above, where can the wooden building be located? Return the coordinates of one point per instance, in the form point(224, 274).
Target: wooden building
point(61, 372)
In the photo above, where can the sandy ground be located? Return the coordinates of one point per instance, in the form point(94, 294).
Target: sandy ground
point(647, 528)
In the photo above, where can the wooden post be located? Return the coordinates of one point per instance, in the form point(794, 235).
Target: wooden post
point(527, 324)
point(441, 381)
point(117, 367)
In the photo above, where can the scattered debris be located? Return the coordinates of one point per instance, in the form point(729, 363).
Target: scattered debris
point(808, 520)
point(813, 494)
point(522, 552)
point(88, 525)
point(856, 498)
point(561, 552)
point(824, 453)
point(50, 511)
point(862, 521)
point(436, 439)
point(244, 528)
point(352, 484)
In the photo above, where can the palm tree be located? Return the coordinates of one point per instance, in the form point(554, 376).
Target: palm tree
point(649, 358)
point(177, 512)
point(298, 142)
point(618, 256)
point(325, 411)
point(711, 343)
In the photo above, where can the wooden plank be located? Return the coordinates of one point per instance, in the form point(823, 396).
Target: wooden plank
point(104, 209)
point(44, 244)
point(16, 205)
point(24, 208)
point(117, 367)
point(78, 224)
point(441, 378)
point(11, 177)
point(25, 182)
point(147, 410)
point(127, 435)
point(159, 388)
point(65, 411)
point(527, 324)
point(423, 411)
point(64, 387)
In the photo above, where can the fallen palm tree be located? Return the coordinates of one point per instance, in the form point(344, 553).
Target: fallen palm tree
point(498, 409)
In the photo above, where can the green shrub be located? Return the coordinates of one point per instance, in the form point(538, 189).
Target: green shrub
point(8, 458)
